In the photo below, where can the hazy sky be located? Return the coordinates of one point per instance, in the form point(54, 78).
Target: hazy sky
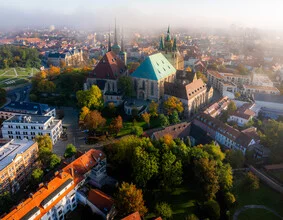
point(142, 13)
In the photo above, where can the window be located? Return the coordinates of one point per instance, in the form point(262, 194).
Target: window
point(152, 88)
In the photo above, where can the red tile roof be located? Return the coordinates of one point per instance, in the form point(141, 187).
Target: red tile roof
point(109, 67)
point(133, 216)
point(100, 199)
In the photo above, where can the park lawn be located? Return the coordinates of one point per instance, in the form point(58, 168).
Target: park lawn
point(263, 196)
point(17, 81)
point(127, 128)
point(261, 214)
point(182, 201)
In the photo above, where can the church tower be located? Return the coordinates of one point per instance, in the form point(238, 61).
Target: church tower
point(116, 48)
point(123, 53)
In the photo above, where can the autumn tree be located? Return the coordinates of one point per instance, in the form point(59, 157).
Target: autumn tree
point(84, 112)
point(94, 120)
point(129, 199)
point(116, 124)
point(53, 71)
point(92, 98)
point(137, 130)
point(237, 94)
point(251, 181)
point(153, 109)
point(206, 177)
point(146, 118)
point(173, 103)
point(145, 166)
point(46, 86)
point(225, 177)
point(44, 142)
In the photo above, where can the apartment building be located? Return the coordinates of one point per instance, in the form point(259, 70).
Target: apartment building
point(17, 158)
point(252, 89)
point(224, 134)
point(26, 108)
point(217, 107)
point(27, 127)
point(53, 200)
point(214, 79)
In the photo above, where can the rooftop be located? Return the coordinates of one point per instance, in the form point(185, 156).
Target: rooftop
point(100, 200)
point(154, 67)
point(10, 150)
point(269, 88)
point(31, 119)
point(268, 98)
point(27, 108)
point(215, 74)
point(133, 216)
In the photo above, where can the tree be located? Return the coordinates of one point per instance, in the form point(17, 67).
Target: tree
point(206, 177)
point(191, 217)
point(129, 199)
point(116, 124)
point(6, 202)
point(137, 130)
point(251, 181)
point(145, 166)
point(200, 75)
point(70, 151)
point(46, 86)
point(170, 171)
point(164, 210)
point(235, 158)
point(225, 177)
point(2, 96)
point(231, 107)
point(53, 71)
point(84, 112)
point(173, 103)
point(44, 142)
point(125, 84)
point(229, 199)
point(163, 120)
point(214, 152)
point(92, 98)
point(237, 95)
point(146, 118)
point(174, 117)
point(212, 210)
point(94, 120)
point(111, 109)
point(62, 64)
point(54, 161)
point(45, 156)
point(37, 175)
point(153, 109)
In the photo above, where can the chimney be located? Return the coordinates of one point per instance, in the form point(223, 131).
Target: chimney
point(56, 173)
point(46, 185)
point(61, 174)
point(40, 185)
point(72, 172)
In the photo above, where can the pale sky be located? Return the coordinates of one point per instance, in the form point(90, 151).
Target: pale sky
point(142, 13)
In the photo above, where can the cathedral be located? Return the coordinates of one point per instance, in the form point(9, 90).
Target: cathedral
point(168, 47)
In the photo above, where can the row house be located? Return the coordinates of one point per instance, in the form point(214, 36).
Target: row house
point(224, 134)
point(217, 107)
point(56, 198)
point(27, 127)
point(17, 159)
point(242, 115)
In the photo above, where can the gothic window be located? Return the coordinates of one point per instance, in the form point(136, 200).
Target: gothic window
point(109, 87)
point(152, 88)
point(143, 84)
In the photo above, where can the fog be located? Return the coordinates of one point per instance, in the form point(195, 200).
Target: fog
point(144, 14)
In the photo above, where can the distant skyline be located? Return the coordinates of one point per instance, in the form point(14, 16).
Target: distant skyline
point(142, 13)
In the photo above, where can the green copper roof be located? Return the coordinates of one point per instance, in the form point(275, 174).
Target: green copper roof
point(154, 67)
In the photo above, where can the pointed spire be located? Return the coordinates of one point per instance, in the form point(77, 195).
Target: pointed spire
point(161, 44)
point(109, 41)
point(168, 31)
point(168, 37)
point(122, 41)
point(174, 44)
point(115, 37)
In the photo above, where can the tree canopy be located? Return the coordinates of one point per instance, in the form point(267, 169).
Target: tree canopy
point(94, 120)
point(173, 103)
point(70, 151)
point(91, 98)
point(125, 85)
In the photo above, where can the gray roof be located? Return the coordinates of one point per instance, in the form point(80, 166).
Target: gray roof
point(268, 98)
point(31, 119)
point(30, 213)
point(32, 108)
point(9, 151)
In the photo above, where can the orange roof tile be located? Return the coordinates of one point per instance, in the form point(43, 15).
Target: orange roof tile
point(100, 199)
point(35, 202)
point(133, 216)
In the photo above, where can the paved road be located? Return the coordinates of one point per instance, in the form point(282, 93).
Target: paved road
point(244, 208)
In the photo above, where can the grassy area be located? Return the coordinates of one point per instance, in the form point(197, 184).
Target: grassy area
point(182, 201)
point(263, 196)
point(127, 127)
point(261, 214)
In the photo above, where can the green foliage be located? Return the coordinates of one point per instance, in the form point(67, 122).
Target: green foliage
point(70, 151)
point(125, 84)
point(145, 166)
point(242, 69)
point(164, 210)
point(137, 130)
point(84, 112)
point(93, 120)
point(251, 181)
point(173, 104)
point(2, 96)
point(44, 141)
point(129, 199)
point(214, 152)
point(225, 177)
point(229, 199)
point(54, 161)
point(231, 107)
point(163, 120)
point(200, 75)
point(91, 98)
point(174, 118)
point(153, 109)
point(237, 95)
point(6, 202)
point(235, 158)
point(14, 56)
point(212, 210)
point(192, 217)
point(37, 175)
point(170, 171)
